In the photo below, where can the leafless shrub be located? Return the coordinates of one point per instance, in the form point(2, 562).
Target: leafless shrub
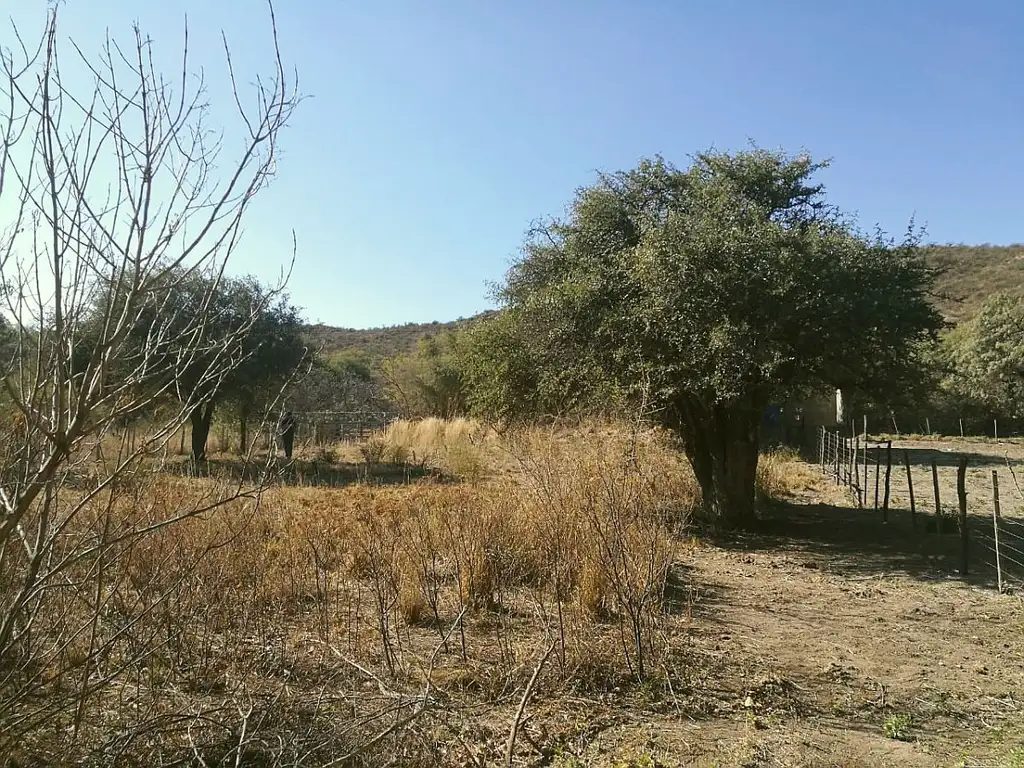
point(117, 198)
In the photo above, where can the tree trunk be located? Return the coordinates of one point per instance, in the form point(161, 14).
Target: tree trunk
point(722, 442)
point(200, 417)
point(243, 431)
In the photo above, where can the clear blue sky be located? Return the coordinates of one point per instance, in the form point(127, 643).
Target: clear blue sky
point(436, 131)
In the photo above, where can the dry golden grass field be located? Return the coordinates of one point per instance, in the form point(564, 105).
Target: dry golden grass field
point(444, 595)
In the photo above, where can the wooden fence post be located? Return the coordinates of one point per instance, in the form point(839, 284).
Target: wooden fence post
point(888, 472)
point(856, 470)
point(995, 428)
point(995, 528)
point(961, 492)
point(938, 505)
point(878, 470)
point(821, 439)
point(865, 461)
point(927, 425)
point(910, 487)
point(851, 464)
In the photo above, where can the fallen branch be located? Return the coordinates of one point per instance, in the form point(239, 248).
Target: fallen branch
point(527, 694)
point(426, 702)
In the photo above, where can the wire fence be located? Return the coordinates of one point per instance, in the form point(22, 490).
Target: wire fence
point(989, 539)
point(1004, 541)
point(860, 464)
point(324, 427)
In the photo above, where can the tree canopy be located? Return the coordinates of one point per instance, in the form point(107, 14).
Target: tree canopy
point(704, 293)
point(985, 356)
point(430, 380)
point(248, 343)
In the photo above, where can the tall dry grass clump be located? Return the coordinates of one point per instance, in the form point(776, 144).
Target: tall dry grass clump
point(458, 447)
point(600, 517)
point(782, 475)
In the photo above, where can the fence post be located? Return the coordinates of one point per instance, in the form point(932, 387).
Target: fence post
point(888, 472)
point(938, 505)
point(995, 428)
point(961, 426)
point(851, 464)
point(995, 528)
point(910, 487)
point(865, 461)
point(927, 425)
point(961, 492)
point(878, 470)
point(842, 461)
point(856, 470)
point(821, 441)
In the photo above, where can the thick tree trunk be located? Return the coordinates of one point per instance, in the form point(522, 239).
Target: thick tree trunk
point(722, 442)
point(200, 418)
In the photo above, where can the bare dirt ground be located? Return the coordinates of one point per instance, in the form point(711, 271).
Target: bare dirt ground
point(983, 457)
point(831, 639)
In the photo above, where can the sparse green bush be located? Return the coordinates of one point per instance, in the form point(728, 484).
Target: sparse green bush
point(898, 727)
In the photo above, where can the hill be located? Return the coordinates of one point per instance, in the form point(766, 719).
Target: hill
point(379, 343)
point(972, 273)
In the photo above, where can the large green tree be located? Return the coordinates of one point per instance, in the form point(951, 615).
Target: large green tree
point(985, 356)
point(704, 293)
point(261, 331)
point(272, 351)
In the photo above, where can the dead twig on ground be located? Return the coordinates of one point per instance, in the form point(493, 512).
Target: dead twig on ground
point(527, 694)
point(425, 703)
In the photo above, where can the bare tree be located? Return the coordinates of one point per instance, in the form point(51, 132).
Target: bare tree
point(112, 200)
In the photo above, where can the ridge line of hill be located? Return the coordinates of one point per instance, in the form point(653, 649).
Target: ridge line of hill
point(970, 274)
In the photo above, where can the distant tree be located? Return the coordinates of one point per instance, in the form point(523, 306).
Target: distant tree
point(248, 344)
point(343, 381)
point(354, 364)
point(428, 381)
point(272, 352)
point(985, 356)
point(267, 350)
point(705, 293)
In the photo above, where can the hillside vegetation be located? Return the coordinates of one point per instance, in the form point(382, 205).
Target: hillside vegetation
point(379, 343)
point(971, 273)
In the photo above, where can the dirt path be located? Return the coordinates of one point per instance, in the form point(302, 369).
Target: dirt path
point(812, 636)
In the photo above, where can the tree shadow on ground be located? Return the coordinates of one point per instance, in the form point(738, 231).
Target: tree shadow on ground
point(858, 542)
point(311, 473)
point(688, 595)
point(923, 457)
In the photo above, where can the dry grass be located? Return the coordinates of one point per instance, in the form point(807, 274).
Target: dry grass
point(783, 476)
point(459, 447)
point(240, 620)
